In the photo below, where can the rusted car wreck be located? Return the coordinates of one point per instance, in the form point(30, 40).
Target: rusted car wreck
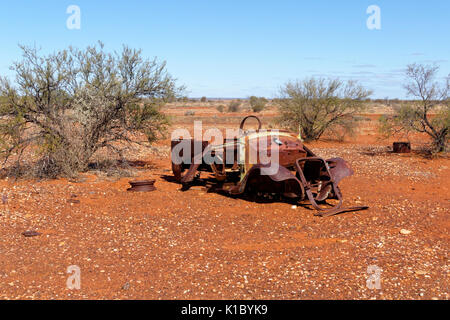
point(264, 162)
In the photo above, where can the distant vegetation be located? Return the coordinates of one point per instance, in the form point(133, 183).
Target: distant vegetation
point(183, 99)
point(257, 103)
point(234, 106)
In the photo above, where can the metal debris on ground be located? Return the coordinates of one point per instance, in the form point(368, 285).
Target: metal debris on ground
point(31, 233)
point(142, 185)
point(401, 147)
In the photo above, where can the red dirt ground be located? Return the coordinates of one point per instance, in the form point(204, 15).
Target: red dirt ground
point(173, 244)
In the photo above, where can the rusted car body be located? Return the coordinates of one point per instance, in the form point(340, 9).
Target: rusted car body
point(246, 165)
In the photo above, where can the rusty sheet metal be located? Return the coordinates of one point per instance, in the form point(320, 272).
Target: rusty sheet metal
point(300, 173)
point(142, 185)
point(30, 233)
point(283, 181)
point(401, 147)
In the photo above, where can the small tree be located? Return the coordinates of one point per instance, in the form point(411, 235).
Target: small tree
point(66, 106)
point(203, 99)
point(220, 107)
point(315, 105)
point(414, 116)
point(234, 106)
point(257, 103)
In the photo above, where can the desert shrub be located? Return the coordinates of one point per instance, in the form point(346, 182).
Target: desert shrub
point(66, 106)
point(189, 113)
point(257, 103)
point(234, 106)
point(220, 108)
point(414, 116)
point(203, 99)
point(183, 99)
point(316, 105)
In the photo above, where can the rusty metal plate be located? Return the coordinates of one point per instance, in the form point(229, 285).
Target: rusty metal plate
point(142, 185)
point(402, 147)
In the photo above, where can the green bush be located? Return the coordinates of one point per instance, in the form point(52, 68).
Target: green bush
point(257, 104)
point(234, 106)
point(316, 105)
point(73, 103)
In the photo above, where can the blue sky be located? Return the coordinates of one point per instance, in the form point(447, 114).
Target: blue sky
point(242, 48)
